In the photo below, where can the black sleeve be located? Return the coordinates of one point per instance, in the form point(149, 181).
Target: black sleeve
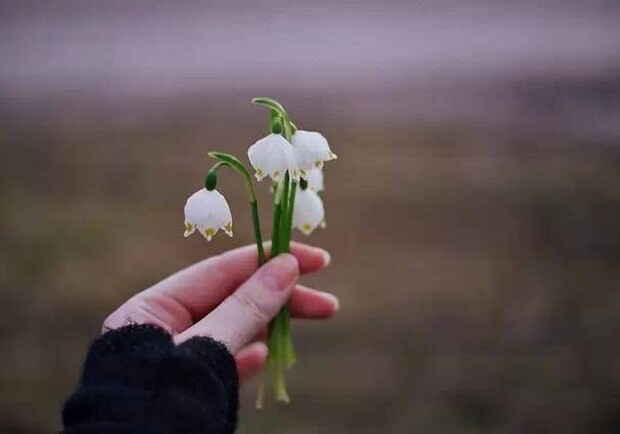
point(136, 380)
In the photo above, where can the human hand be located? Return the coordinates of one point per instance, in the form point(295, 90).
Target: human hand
point(229, 299)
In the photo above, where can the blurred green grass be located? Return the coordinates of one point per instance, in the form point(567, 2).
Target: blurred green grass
point(478, 270)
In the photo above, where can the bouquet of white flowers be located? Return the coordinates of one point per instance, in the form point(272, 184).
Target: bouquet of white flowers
point(293, 159)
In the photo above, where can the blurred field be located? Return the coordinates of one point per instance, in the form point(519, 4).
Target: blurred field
point(478, 266)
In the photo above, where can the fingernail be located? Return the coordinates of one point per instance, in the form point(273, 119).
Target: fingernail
point(281, 272)
point(327, 258)
point(332, 299)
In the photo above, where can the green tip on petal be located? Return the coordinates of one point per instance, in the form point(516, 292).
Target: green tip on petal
point(208, 233)
point(189, 229)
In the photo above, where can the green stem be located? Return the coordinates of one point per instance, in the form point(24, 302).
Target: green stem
point(284, 247)
point(288, 224)
point(286, 351)
point(281, 352)
point(289, 350)
point(280, 360)
point(279, 336)
point(277, 219)
point(237, 166)
point(290, 191)
point(262, 258)
point(260, 395)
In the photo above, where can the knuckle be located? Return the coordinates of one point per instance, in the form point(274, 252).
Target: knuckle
point(251, 307)
point(132, 312)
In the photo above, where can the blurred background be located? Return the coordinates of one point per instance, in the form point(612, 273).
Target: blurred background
point(473, 215)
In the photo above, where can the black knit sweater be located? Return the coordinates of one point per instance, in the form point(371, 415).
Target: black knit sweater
point(136, 380)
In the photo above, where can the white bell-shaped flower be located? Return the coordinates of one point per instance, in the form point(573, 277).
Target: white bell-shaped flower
point(273, 156)
point(315, 180)
point(308, 212)
point(208, 212)
point(311, 150)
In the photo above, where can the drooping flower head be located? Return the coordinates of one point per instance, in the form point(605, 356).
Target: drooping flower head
point(309, 211)
point(208, 212)
point(315, 180)
point(272, 156)
point(311, 150)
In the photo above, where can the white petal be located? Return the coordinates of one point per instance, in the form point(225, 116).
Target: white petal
point(190, 228)
point(207, 211)
point(272, 155)
point(228, 229)
point(209, 233)
point(309, 211)
point(315, 180)
point(311, 150)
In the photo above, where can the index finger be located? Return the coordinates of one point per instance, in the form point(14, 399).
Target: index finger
point(199, 288)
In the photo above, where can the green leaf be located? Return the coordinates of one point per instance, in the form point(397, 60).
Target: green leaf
point(272, 104)
point(277, 111)
point(233, 162)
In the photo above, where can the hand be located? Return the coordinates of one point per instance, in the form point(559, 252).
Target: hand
point(229, 299)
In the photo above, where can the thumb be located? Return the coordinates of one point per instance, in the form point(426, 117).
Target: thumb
point(250, 308)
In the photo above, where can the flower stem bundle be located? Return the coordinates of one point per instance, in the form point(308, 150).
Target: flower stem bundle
point(293, 159)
